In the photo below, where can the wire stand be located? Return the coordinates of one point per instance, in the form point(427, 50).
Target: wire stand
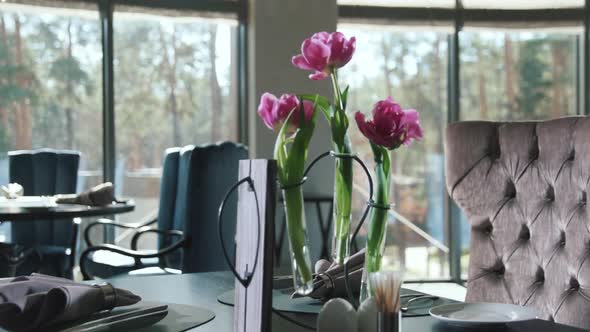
point(246, 278)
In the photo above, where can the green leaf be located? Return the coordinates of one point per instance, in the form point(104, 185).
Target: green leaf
point(344, 97)
point(297, 156)
point(386, 164)
point(280, 153)
point(322, 102)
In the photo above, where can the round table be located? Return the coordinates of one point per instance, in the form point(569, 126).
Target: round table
point(63, 211)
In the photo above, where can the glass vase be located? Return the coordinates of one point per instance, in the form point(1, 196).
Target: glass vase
point(298, 240)
point(342, 206)
point(374, 249)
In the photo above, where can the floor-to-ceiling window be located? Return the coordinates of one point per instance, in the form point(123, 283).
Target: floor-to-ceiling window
point(516, 60)
point(175, 82)
point(51, 84)
point(409, 64)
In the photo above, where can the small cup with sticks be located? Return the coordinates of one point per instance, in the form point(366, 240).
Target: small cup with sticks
point(386, 287)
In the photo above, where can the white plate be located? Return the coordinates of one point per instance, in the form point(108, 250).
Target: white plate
point(470, 314)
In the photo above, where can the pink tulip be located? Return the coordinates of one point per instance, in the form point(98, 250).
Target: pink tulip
point(324, 52)
point(391, 125)
point(274, 111)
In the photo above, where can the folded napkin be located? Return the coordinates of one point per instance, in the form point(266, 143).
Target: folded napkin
point(329, 280)
point(38, 301)
point(100, 195)
point(11, 190)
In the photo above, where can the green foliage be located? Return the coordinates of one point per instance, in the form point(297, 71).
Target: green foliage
point(532, 80)
point(10, 73)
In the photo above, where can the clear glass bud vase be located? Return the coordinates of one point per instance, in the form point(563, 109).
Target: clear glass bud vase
point(298, 240)
point(342, 208)
point(374, 249)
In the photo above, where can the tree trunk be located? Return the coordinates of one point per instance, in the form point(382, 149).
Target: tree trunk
point(483, 103)
point(557, 70)
point(510, 76)
point(386, 71)
point(216, 110)
point(438, 86)
point(24, 139)
point(170, 65)
point(69, 115)
point(4, 119)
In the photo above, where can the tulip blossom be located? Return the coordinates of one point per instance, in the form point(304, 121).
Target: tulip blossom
point(294, 121)
point(391, 125)
point(324, 52)
point(274, 111)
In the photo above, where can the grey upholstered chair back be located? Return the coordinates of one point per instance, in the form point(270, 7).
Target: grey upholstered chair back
point(523, 187)
point(44, 172)
point(214, 169)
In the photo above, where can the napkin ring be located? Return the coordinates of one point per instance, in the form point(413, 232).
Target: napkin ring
point(109, 294)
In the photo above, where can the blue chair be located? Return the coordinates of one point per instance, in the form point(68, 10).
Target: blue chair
point(46, 172)
point(194, 181)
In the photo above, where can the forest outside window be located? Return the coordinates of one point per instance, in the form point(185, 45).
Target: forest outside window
point(50, 86)
point(175, 84)
point(408, 64)
point(518, 74)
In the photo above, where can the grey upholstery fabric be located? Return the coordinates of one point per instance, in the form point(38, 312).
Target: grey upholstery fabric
point(523, 187)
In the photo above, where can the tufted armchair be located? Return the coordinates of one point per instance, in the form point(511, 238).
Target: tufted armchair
point(523, 187)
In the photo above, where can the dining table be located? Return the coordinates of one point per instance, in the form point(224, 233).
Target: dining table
point(202, 290)
point(62, 211)
point(11, 213)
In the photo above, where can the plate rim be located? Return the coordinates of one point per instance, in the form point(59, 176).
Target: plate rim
point(530, 310)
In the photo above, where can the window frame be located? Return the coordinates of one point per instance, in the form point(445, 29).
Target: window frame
point(106, 10)
point(456, 18)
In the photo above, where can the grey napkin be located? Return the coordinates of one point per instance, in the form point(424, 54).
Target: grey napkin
point(100, 195)
point(329, 281)
point(38, 301)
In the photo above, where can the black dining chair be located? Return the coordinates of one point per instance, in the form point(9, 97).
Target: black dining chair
point(46, 172)
point(194, 181)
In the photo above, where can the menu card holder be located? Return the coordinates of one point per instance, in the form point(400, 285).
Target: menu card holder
point(255, 237)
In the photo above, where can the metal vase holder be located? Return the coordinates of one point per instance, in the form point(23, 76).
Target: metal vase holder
point(245, 278)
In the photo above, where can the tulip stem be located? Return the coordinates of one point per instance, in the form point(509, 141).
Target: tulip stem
point(337, 92)
point(378, 225)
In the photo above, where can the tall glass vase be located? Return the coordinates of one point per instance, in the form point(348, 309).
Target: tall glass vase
point(298, 240)
point(378, 222)
point(374, 249)
point(342, 204)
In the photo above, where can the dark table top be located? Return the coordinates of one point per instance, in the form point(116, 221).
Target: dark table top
point(202, 289)
point(63, 211)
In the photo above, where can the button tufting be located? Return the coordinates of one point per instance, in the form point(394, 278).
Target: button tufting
point(540, 275)
point(494, 152)
point(486, 227)
point(562, 239)
point(550, 194)
point(572, 155)
point(525, 233)
point(499, 268)
point(574, 284)
point(510, 189)
point(534, 153)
